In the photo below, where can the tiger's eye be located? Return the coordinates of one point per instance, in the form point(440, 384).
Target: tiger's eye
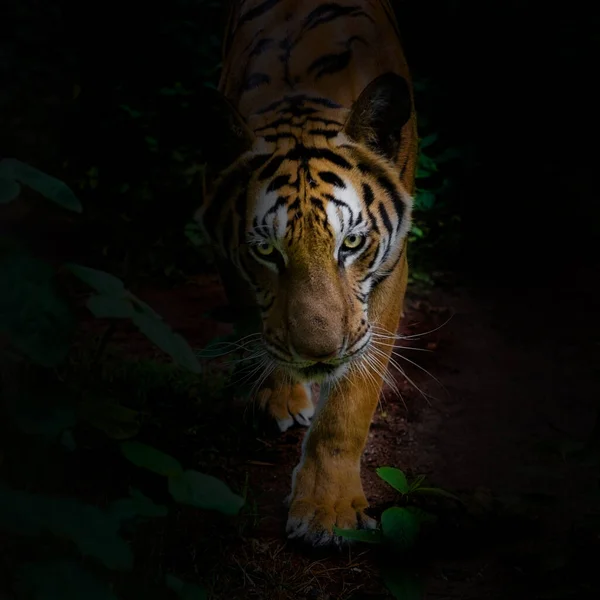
point(353, 241)
point(265, 248)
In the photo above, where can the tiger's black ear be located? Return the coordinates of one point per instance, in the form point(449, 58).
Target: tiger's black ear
point(377, 117)
point(228, 134)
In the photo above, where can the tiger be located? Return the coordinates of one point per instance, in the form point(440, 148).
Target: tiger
point(309, 210)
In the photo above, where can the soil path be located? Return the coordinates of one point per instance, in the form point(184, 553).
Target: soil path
point(517, 368)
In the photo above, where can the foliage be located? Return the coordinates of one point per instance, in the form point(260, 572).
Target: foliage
point(45, 405)
point(400, 528)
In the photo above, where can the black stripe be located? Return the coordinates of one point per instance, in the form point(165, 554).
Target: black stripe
point(278, 182)
point(301, 152)
point(299, 111)
point(328, 133)
point(261, 46)
point(281, 201)
point(271, 167)
point(331, 11)
point(256, 162)
point(368, 195)
point(386, 218)
point(279, 136)
point(391, 189)
point(257, 11)
point(255, 80)
point(330, 64)
point(332, 178)
point(275, 124)
point(298, 100)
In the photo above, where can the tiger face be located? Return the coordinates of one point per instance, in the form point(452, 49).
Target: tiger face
point(314, 223)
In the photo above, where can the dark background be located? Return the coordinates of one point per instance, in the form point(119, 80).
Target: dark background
point(111, 98)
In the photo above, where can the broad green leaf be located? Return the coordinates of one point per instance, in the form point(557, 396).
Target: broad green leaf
point(158, 332)
point(60, 580)
point(204, 491)
point(146, 506)
point(369, 536)
point(421, 515)
point(68, 441)
point(102, 282)
point(9, 190)
point(44, 418)
point(427, 141)
point(118, 422)
point(403, 584)
point(430, 491)
point(395, 477)
point(138, 505)
point(50, 187)
point(36, 320)
point(417, 231)
point(185, 591)
point(104, 306)
point(400, 527)
point(416, 482)
point(147, 457)
point(92, 530)
point(425, 200)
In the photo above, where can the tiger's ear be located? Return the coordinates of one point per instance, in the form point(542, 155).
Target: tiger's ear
point(229, 135)
point(377, 117)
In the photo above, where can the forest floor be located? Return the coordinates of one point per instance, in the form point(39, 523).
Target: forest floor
point(517, 394)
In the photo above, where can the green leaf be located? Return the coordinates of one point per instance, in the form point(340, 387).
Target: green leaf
point(36, 320)
point(403, 584)
point(421, 515)
point(204, 491)
point(427, 141)
point(92, 530)
point(116, 421)
point(369, 536)
point(50, 187)
point(425, 200)
point(416, 482)
point(60, 580)
point(9, 190)
point(40, 416)
point(173, 344)
point(395, 477)
point(68, 441)
point(146, 507)
point(104, 306)
point(185, 591)
point(102, 282)
point(138, 505)
point(147, 457)
point(430, 491)
point(417, 231)
point(400, 527)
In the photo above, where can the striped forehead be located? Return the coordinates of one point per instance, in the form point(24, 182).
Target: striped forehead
point(342, 206)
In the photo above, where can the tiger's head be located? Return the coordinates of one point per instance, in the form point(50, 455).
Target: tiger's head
point(314, 218)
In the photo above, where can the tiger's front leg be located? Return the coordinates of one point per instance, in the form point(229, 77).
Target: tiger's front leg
point(326, 485)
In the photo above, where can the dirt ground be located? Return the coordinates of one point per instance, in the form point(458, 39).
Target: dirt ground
point(518, 392)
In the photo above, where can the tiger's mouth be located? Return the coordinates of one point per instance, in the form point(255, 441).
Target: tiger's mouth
point(318, 370)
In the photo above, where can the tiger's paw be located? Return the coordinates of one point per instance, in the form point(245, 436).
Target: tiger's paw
point(317, 504)
point(287, 404)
